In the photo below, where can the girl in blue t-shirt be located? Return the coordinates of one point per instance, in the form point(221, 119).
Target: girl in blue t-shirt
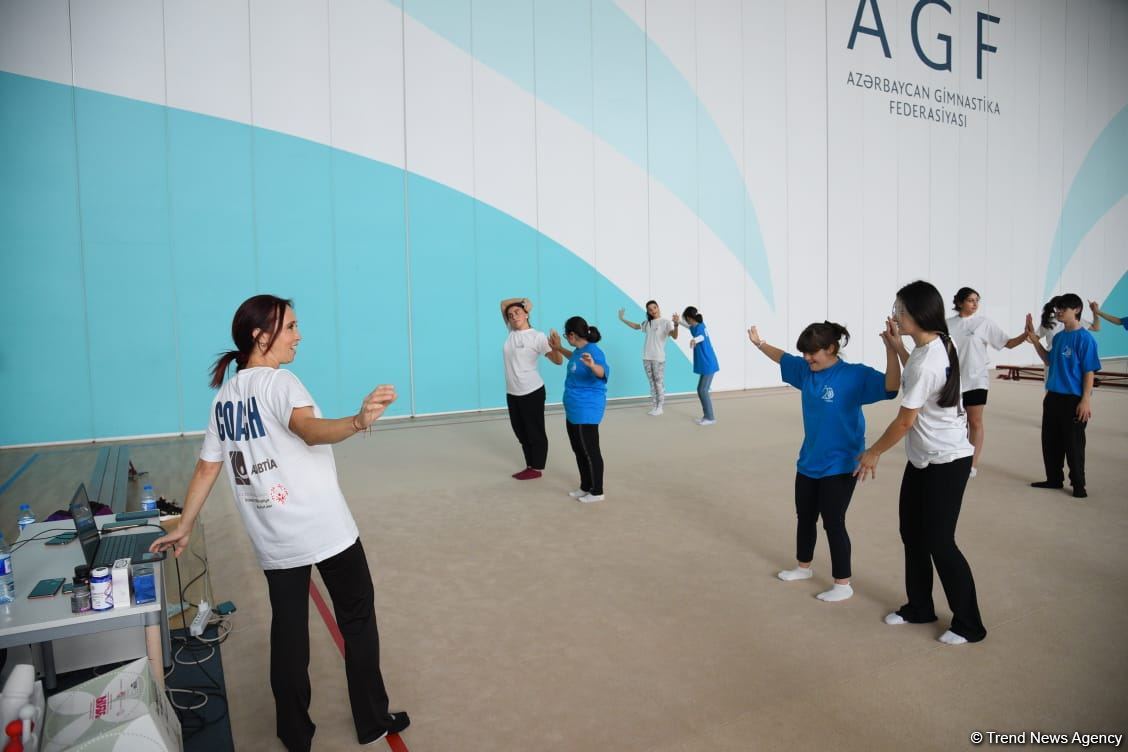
point(704, 360)
point(585, 398)
point(834, 434)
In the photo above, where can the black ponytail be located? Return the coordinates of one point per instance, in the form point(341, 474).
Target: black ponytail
point(925, 305)
point(1048, 313)
point(577, 326)
point(264, 313)
point(693, 313)
point(821, 336)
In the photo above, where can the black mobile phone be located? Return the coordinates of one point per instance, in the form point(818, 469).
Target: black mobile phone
point(62, 540)
point(68, 588)
point(46, 588)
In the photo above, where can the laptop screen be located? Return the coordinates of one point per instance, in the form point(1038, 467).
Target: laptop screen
point(84, 523)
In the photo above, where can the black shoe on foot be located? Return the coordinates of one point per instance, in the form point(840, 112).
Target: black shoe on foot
point(1080, 493)
point(395, 724)
point(1046, 484)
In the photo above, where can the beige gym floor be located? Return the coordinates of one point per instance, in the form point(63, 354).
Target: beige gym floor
point(514, 618)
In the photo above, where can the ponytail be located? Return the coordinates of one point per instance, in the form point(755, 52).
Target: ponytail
point(1048, 313)
point(821, 336)
point(593, 335)
point(577, 326)
point(950, 393)
point(262, 313)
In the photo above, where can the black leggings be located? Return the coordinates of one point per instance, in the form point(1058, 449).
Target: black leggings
point(829, 497)
point(930, 507)
point(526, 415)
point(349, 583)
point(584, 438)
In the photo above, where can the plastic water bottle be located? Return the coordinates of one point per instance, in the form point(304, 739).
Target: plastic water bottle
point(148, 499)
point(7, 579)
point(26, 517)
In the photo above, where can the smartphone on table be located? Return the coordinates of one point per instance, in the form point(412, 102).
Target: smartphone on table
point(62, 540)
point(47, 588)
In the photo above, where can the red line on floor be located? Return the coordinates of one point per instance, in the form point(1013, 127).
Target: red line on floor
point(394, 741)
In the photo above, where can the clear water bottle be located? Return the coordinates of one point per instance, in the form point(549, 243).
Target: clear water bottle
point(7, 579)
point(26, 517)
point(148, 499)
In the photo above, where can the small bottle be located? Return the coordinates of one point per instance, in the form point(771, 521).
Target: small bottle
point(26, 517)
point(7, 579)
point(148, 499)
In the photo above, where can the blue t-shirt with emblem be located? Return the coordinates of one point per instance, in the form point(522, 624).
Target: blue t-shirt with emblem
point(585, 396)
point(834, 429)
point(704, 359)
point(1073, 355)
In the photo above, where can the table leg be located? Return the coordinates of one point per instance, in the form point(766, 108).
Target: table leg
point(156, 654)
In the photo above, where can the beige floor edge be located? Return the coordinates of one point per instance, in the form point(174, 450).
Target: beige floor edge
point(513, 618)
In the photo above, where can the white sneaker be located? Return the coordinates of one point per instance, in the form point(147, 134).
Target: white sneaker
point(973, 473)
point(655, 411)
point(578, 493)
point(705, 421)
point(589, 498)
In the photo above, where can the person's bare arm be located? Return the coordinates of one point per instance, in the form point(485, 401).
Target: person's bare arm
point(313, 430)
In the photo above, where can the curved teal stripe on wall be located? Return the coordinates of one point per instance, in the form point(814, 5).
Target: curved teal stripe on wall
point(633, 81)
point(1101, 182)
point(246, 210)
point(1113, 340)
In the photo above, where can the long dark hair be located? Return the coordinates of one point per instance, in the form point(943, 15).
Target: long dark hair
point(821, 336)
point(262, 312)
point(692, 312)
point(646, 308)
point(1048, 315)
point(961, 295)
point(924, 303)
point(577, 326)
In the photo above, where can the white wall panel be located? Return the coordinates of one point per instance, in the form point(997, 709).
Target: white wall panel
point(1020, 126)
point(505, 166)
point(118, 47)
point(1049, 152)
point(35, 39)
point(973, 250)
point(290, 67)
point(366, 67)
point(208, 58)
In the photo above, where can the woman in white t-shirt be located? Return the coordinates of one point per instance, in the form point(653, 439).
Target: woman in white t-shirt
point(972, 335)
point(524, 387)
point(267, 430)
point(657, 330)
point(935, 430)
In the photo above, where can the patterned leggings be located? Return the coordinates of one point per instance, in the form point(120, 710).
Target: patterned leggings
point(655, 370)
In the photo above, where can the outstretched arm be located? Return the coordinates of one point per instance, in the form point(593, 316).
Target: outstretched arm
point(1098, 313)
point(631, 324)
point(203, 480)
point(313, 430)
point(1033, 339)
point(772, 352)
point(867, 463)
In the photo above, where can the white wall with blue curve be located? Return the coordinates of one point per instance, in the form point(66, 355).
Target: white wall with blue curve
point(399, 167)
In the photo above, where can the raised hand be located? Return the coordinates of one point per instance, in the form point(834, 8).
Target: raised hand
point(754, 336)
point(621, 312)
point(374, 405)
point(553, 339)
point(1029, 324)
point(675, 318)
point(891, 334)
point(587, 360)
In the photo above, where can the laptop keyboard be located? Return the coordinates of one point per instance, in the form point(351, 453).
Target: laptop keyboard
point(117, 547)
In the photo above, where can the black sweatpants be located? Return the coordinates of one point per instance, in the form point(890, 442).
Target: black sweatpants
point(347, 577)
point(930, 507)
point(584, 438)
point(829, 497)
point(526, 415)
point(1063, 438)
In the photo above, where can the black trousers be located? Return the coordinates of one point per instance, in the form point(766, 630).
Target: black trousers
point(1063, 438)
point(526, 415)
point(350, 588)
point(930, 507)
point(828, 497)
point(584, 438)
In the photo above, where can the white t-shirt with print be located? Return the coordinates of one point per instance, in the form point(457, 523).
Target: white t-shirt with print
point(657, 331)
point(521, 351)
point(972, 335)
point(285, 490)
point(939, 434)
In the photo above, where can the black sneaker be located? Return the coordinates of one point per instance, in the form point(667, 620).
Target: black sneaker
point(396, 723)
point(1046, 484)
point(1080, 493)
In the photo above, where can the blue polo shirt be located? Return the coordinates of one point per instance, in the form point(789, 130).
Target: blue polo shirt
point(834, 429)
point(704, 359)
point(1073, 355)
point(585, 396)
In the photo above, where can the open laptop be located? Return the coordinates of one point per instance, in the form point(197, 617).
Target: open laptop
point(102, 550)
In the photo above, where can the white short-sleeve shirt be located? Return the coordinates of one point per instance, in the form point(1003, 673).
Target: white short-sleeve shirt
point(972, 335)
point(939, 434)
point(657, 331)
point(285, 490)
point(521, 353)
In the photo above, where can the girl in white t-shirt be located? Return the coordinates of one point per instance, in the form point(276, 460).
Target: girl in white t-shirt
point(524, 387)
point(657, 330)
point(267, 430)
point(935, 429)
point(972, 335)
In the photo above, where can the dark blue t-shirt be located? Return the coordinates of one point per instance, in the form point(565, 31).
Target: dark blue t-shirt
point(585, 396)
point(704, 359)
point(1073, 355)
point(834, 429)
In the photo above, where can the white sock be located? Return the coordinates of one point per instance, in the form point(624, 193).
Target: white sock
point(951, 638)
point(836, 593)
point(894, 618)
point(799, 573)
point(973, 472)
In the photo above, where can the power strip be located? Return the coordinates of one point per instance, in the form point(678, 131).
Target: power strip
point(200, 623)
